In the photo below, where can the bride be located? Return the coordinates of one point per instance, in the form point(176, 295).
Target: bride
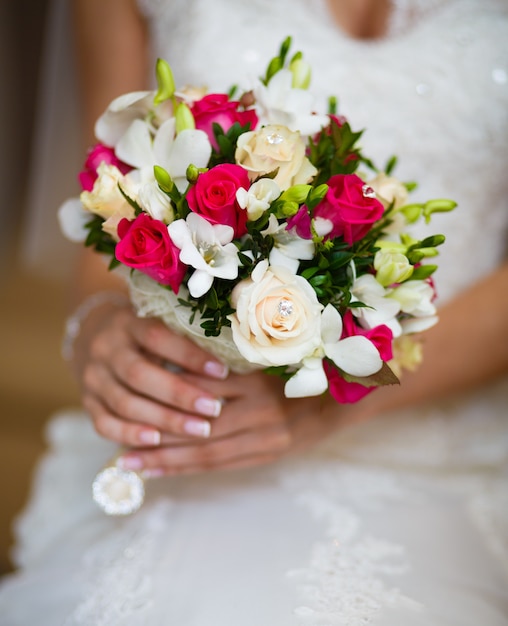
point(391, 512)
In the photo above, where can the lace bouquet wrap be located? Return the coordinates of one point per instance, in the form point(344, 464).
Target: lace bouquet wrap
point(255, 225)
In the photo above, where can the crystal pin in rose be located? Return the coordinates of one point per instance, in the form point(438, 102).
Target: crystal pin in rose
point(368, 192)
point(285, 308)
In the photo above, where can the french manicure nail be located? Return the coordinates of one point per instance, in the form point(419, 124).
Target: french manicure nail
point(150, 437)
point(216, 369)
point(130, 462)
point(153, 473)
point(200, 428)
point(208, 406)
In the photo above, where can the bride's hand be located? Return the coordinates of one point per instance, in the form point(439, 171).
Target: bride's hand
point(257, 425)
point(131, 396)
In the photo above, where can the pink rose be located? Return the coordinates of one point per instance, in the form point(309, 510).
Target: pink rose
point(145, 245)
point(216, 107)
point(346, 392)
point(351, 206)
point(97, 155)
point(381, 336)
point(341, 390)
point(214, 196)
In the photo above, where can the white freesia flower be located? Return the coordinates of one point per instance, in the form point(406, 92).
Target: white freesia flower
point(122, 111)
point(355, 355)
point(278, 317)
point(258, 198)
point(380, 308)
point(206, 247)
point(280, 103)
point(309, 380)
point(72, 218)
point(322, 225)
point(415, 298)
point(155, 202)
point(174, 154)
point(288, 248)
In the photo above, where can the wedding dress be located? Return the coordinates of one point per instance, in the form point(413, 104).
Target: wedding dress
point(402, 521)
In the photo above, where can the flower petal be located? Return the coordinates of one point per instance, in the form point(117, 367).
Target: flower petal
point(331, 325)
point(355, 355)
point(72, 218)
point(418, 324)
point(199, 283)
point(278, 259)
point(120, 114)
point(309, 380)
point(190, 147)
point(163, 143)
point(135, 146)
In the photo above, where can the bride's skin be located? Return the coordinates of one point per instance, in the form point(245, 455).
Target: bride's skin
point(163, 416)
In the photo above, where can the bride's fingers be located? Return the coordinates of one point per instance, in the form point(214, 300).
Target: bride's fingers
point(125, 404)
point(118, 430)
point(233, 464)
point(270, 442)
point(154, 337)
point(145, 378)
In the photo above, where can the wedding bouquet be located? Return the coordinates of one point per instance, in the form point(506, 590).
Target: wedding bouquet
point(256, 225)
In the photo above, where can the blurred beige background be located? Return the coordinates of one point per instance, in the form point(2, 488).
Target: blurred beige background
point(34, 382)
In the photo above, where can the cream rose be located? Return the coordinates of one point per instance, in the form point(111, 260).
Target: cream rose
point(389, 189)
point(275, 147)
point(278, 317)
point(106, 200)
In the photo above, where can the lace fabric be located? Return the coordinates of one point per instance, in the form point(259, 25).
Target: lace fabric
point(118, 571)
point(343, 583)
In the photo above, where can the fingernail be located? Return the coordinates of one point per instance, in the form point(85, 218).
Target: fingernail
point(150, 437)
point(130, 462)
point(153, 473)
point(216, 369)
point(199, 428)
point(208, 406)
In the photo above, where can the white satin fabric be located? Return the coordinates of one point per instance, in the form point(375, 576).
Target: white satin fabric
point(398, 522)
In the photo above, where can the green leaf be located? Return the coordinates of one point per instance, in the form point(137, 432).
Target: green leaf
point(129, 200)
point(279, 370)
point(384, 376)
point(212, 299)
point(319, 280)
point(423, 271)
point(284, 48)
point(310, 272)
point(245, 260)
point(390, 166)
